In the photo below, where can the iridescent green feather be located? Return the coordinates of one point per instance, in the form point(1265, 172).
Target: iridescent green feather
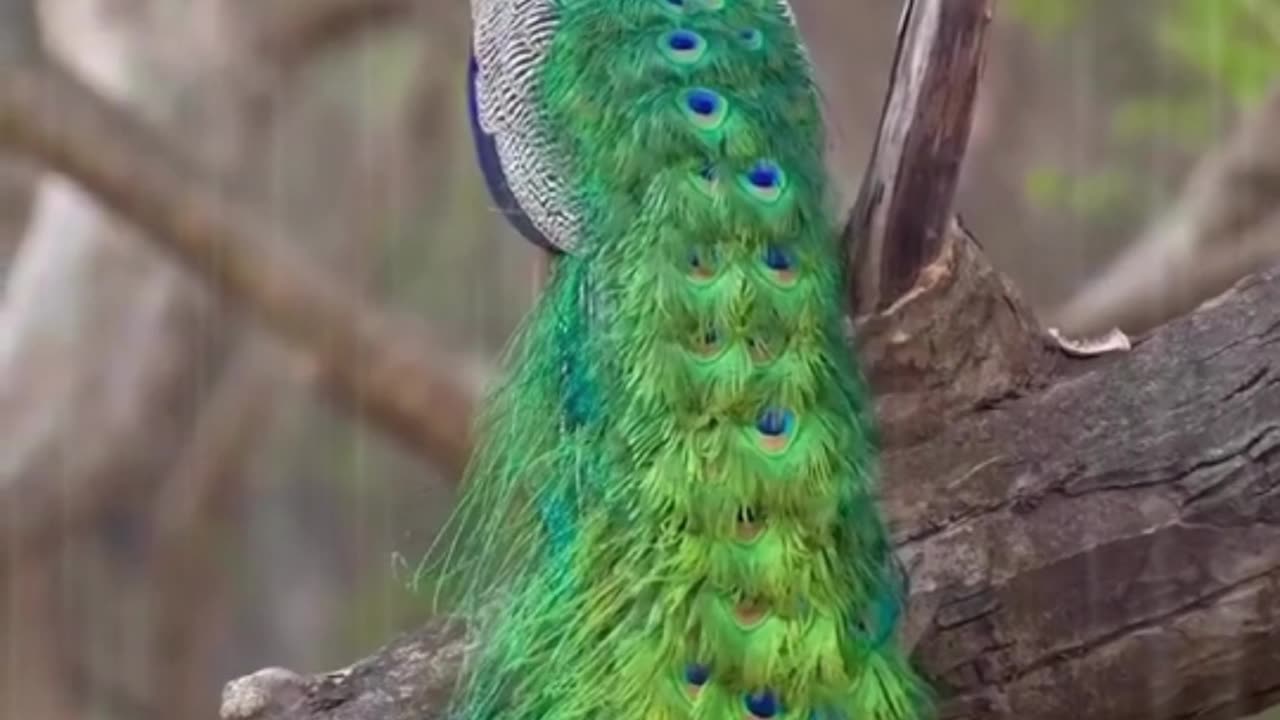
point(677, 471)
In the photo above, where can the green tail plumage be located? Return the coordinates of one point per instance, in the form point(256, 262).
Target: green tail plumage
point(671, 513)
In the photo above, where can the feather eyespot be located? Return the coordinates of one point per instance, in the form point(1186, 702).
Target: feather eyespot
point(781, 264)
point(697, 674)
point(702, 264)
point(764, 181)
point(703, 102)
point(707, 179)
point(775, 426)
point(750, 612)
point(683, 47)
point(752, 38)
point(674, 5)
point(707, 342)
point(763, 704)
point(760, 350)
point(704, 108)
point(749, 525)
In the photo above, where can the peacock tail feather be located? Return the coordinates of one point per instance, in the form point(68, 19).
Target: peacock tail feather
point(671, 513)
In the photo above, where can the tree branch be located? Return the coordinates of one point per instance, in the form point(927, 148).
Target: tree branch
point(361, 357)
point(904, 205)
point(938, 328)
point(103, 347)
point(294, 30)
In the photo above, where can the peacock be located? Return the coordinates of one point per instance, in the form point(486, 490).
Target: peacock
point(671, 511)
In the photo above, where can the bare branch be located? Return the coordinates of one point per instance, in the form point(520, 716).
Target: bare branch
point(938, 328)
point(295, 30)
point(102, 346)
point(363, 358)
point(961, 338)
point(904, 204)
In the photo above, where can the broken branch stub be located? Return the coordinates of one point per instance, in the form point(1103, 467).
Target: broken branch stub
point(905, 203)
point(937, 327)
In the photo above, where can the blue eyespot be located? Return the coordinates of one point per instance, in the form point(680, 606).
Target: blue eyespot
point(707, 342)
point(752, 38)
point(763, 704)
point(683, 47)
point(777, 259)
point(704, 108)
point(703, 102)
point(682, 40)
point(702, 263)
point(697, 674)
point(774, 422)
point(760, 349)
point(764, 181)
point(698, 262)
point(765, 175)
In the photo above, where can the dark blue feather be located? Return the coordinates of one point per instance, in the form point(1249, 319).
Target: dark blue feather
point(494, 176)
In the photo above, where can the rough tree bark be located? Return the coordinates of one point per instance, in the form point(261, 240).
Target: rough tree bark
point(1087, 538)
point(938, 329)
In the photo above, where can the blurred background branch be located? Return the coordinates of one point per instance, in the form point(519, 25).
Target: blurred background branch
point(19, 32)
point(1225, 224)
point(361, 356)
point(294, 31)
point(131, 381)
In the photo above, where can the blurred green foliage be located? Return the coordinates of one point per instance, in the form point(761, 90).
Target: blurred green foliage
point(1235, 44)
point(1049, 16)
point(1218, 58)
